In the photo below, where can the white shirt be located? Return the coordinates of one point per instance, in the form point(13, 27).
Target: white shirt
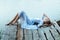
point(27, 26)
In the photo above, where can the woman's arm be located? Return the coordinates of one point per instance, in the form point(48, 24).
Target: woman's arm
point(14, 20)
point(45, 15)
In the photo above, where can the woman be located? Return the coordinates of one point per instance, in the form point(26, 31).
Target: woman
point(25, 21)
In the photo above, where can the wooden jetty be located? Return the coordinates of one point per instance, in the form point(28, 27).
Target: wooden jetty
point(44, 33)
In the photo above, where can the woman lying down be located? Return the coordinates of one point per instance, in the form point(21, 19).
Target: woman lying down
point(26, 23)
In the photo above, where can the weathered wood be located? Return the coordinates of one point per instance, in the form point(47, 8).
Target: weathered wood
point(48, 34)
point(27, 31)
point(35, 35)
point(44, 33)
point(55, 33)
point(19, 33)
point(9, 33)
point(57, 27)
point(41, 34)
point(27, 34)
point(28, 37)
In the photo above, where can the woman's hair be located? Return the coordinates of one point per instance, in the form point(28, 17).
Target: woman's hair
point(47, 22)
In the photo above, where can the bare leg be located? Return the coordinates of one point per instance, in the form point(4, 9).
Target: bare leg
point(14, 20)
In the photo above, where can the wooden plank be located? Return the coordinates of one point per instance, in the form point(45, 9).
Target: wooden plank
point(28, 37)
point(47, 33)
point(41, 34)
point(20, 34)
point(27, 31)
point(55, 33)
point(35, 35)
point(57, 27)
point(27, 34)
point(9, 33)
point(23, 35)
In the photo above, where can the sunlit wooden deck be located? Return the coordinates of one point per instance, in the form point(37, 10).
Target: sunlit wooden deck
point(44, 33)
point(48, 33)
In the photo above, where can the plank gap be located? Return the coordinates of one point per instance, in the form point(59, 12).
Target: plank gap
point(45, 36)
point(52, 34)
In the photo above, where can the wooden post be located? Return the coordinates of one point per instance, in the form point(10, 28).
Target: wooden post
point(19, 32)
